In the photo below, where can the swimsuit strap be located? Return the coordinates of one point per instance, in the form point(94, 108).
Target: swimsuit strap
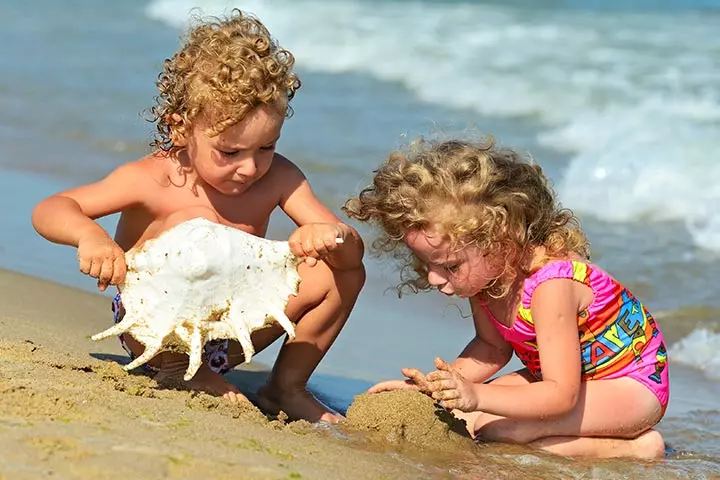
point(570, 269)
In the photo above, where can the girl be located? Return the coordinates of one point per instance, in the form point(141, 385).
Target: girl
point(482, 223)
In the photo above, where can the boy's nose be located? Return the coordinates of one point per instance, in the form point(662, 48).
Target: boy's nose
point(247, 168)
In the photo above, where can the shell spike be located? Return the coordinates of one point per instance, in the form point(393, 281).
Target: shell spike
point(284, 322)
point(150, 351)
point(126, 324)
point(196, 349)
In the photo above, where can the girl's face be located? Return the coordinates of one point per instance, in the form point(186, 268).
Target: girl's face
point(233, 160)
point(463, 273)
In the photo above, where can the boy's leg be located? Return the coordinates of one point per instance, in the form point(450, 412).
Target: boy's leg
point(171, 366)
point(612, 418)
point(320, 310)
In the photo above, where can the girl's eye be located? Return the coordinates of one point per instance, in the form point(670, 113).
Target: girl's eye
point(268, 147)
point(452, 268)
point(228, 154)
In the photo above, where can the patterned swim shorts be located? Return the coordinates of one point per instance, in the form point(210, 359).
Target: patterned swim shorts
point(215, 353)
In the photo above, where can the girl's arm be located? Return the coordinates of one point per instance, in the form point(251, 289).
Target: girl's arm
point(554, 309)
point(487, 353)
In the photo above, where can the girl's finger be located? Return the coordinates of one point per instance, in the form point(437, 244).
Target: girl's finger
point(413, 374)
point(445, 394)
point(441, 364)
point(442, 385)
point(391, 385)
point(438, 375)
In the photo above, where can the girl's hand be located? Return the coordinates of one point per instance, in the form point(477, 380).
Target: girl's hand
point(451, 389)
point(100, 257)
point(315, 241)
point(415, 381)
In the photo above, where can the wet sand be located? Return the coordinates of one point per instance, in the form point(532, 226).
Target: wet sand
point(69, 410)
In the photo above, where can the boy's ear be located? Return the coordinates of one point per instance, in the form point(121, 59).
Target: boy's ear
point(177, 130)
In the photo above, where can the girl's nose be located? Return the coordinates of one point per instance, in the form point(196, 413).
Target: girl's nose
point(435, 279)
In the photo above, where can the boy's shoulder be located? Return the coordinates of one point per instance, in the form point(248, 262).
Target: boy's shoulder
point(284, 173)
point(157, 168)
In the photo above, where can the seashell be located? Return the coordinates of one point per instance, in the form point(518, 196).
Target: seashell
point(201, 281)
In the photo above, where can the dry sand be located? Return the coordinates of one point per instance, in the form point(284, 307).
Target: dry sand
point(68, 410)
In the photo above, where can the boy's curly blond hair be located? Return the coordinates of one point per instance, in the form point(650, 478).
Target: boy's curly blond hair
point(473, 193)
point(226, 68)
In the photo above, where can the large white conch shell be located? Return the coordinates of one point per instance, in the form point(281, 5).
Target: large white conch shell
point(202, 281)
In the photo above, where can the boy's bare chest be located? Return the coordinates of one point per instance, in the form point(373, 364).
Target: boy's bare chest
point(249, 212)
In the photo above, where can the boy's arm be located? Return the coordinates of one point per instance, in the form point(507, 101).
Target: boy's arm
point(68, 217)
point(299, 202)
point(487, 353)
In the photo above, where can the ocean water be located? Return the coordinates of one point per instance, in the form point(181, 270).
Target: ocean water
point(619, 100)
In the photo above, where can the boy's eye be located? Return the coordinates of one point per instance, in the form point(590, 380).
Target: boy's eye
point(268, 147)
point(228, 154)
point(452, 268)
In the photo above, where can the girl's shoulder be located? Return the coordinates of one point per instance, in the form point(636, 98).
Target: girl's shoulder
point(578, 270)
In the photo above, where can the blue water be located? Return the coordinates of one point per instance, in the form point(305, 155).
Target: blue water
point(618, 100)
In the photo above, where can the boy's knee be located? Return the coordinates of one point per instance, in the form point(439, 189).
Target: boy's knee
point(351, 281)
point(326, 279)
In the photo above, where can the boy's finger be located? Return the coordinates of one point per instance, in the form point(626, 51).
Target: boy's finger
point(84, 265)
point(106, 272)
point(95, 268)
point(119, 271)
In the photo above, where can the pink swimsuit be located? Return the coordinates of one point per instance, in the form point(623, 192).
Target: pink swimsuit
point(618, 336)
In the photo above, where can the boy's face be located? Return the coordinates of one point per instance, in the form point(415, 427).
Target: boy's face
point(463, 273)
point(233, 160)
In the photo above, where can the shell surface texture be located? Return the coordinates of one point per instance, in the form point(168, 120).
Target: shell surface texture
point(202, 281)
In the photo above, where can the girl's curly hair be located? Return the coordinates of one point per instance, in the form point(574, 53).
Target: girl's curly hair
point(225, 69)
point(474, 194)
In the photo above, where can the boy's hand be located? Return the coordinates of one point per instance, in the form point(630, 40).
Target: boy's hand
point(416, 380)
point(315, 241)
point(102, 258)
point(451, 389)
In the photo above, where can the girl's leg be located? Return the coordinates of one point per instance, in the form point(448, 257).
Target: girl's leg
point(612, 418)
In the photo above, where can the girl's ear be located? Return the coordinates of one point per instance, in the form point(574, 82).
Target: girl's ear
point(178, 133)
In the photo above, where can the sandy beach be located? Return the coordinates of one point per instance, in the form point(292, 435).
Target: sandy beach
point(69, 410)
